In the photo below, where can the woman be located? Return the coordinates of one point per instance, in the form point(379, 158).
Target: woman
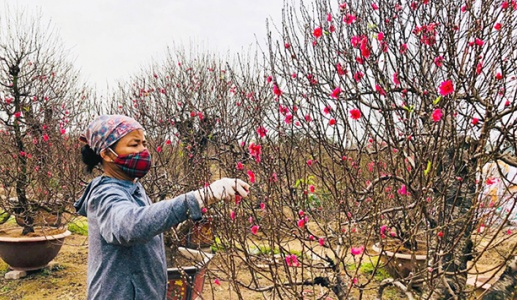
point(126, 253)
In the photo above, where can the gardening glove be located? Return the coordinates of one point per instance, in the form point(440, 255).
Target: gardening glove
point(222, 189)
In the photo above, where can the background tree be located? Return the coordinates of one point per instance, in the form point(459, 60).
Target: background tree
point(42, 106)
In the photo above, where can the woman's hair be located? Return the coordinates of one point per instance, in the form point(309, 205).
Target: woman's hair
point(90, 158)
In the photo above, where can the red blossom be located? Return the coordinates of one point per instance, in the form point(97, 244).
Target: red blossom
point(380, 36)
point(437, 115)
point(340, 70)
point(358, 76)
point(332, 122)
point(475, 121)
point(446, 88)
point(498, 76)
point(375, 6)
point(403, 48)
point(317, 32)
point(355, 114)
point(255, 229)
point(239, 166)
point(497, 26)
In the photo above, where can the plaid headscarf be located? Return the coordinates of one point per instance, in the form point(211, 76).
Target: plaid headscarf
point(106, 130)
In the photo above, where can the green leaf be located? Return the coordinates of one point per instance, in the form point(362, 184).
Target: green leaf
point(437, 100)
point(426, 171)
point(409, 109)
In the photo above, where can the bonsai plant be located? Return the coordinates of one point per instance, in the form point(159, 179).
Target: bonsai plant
point(41, 102)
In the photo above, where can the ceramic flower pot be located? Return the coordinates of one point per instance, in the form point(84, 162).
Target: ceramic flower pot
point(30, 253)
point(400, 265)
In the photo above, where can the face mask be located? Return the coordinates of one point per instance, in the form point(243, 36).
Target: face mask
point(135, 165)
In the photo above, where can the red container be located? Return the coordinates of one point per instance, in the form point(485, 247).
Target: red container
point(186, 283)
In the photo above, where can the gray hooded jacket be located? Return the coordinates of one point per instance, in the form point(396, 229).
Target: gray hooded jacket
point(126, 253)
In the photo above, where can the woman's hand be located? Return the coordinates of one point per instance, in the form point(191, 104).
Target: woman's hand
point(222, 189)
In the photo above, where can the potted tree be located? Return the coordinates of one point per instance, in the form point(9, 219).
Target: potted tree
point(41, 102)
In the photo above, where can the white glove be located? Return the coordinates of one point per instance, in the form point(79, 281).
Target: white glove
point(222, 189)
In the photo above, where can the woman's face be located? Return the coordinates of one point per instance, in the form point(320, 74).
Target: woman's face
point(132, 142)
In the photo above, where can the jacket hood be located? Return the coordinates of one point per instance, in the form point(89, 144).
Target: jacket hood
point(81, 205)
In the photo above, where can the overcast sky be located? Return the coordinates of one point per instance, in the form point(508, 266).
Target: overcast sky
point(112, 39)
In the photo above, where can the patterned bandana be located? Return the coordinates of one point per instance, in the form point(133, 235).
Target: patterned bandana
point(106, 130)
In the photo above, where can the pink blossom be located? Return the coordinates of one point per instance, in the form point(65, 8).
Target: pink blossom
point(239, 166)
point(255, 229)
point(349, 19)
point(261, 130)
point(358, 76)
point(383, 229)
point(238, 199)
point(403, 190)
point(17, 114)
point(262, 206)
point(327, 109)
point(375, 6)
point(312, 188)
point(232, 215)
point(217, 282)
point(277, 91)
point(497, 26)
point(308, 118)
point(251, 176)
point(479, 42)
point(380, 90)
point(357, 250)
point(335, 93)
point(475, 121)
point(329, 17)
point(355, 40)
point(321, 241)
point(438, 61)
point(309, 162)
point(332, 122)
point(396, 79)
point(301, 223)
point(437, 115)
point(287, 46)
point(292, 260)
point(380, 36)
point(403, 48)
point(250, 219)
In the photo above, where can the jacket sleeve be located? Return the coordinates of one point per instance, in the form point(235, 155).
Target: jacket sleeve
point(122, 221)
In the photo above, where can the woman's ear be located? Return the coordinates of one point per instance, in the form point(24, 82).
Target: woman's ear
point(105, 156)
